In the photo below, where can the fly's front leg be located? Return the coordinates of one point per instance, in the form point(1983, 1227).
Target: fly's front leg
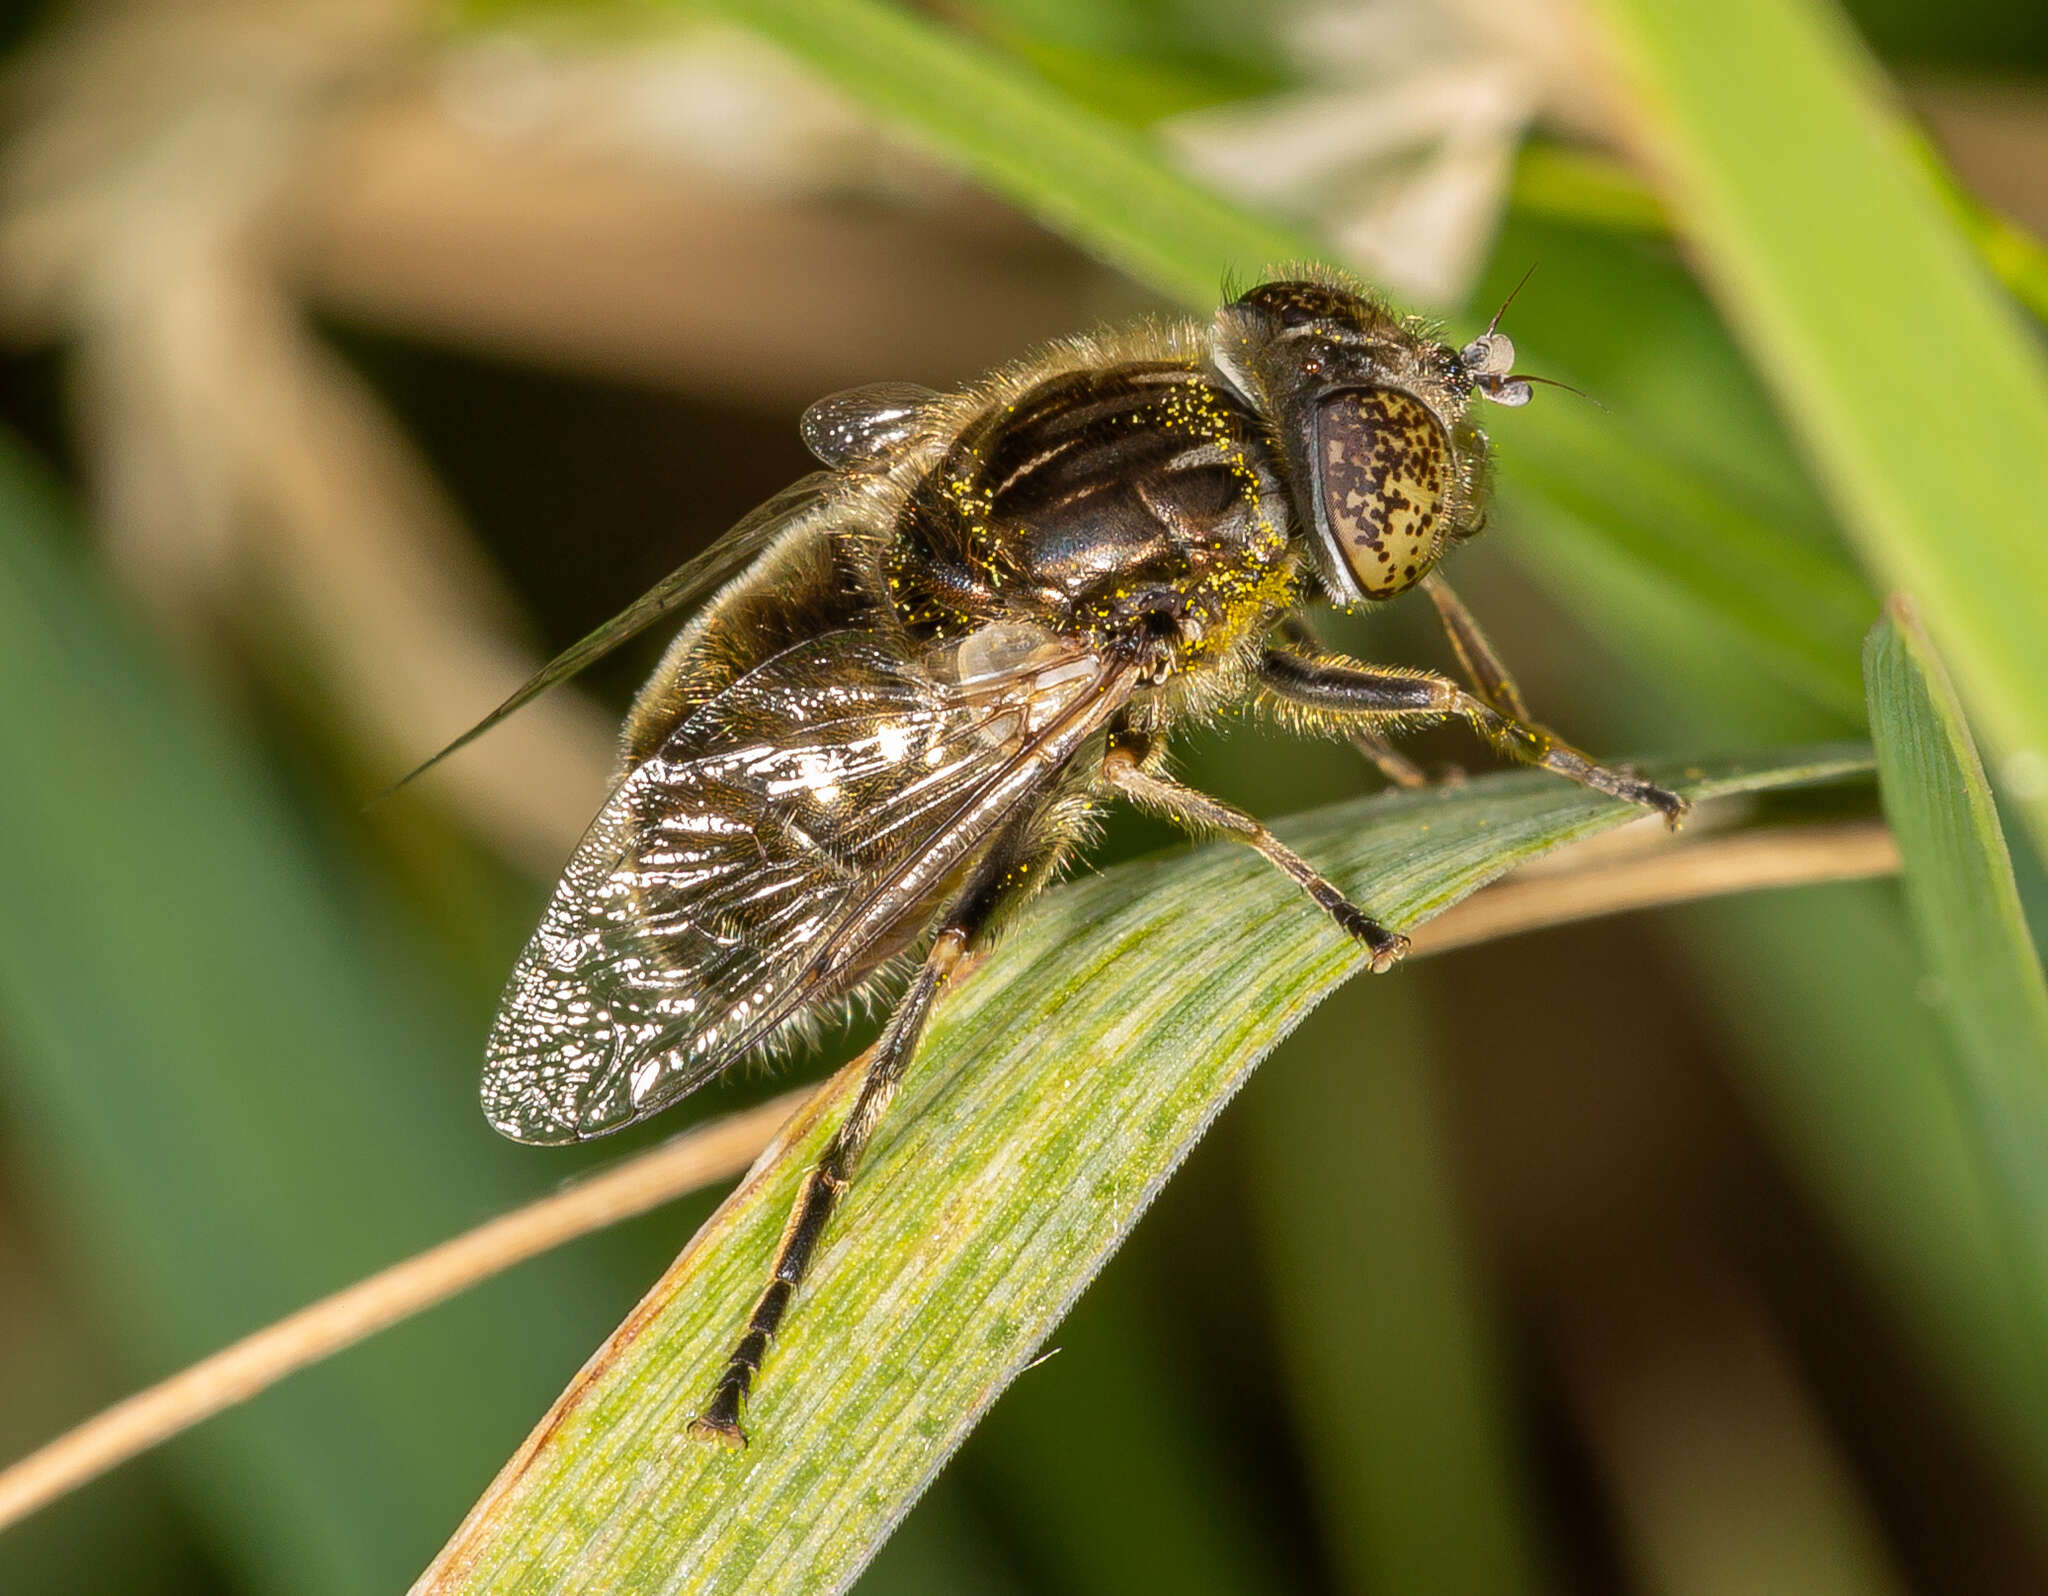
point(1125, 772)
point(826, 1181)
point(1517, 732)
point(1397, 767)
point(1482, 667)
point(1345, 690)
point(1389, 761)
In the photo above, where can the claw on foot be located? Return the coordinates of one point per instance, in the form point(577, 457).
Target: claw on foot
point(1386, 946)
point(716, 1430)
point(1673, 808)
point(1617, 782)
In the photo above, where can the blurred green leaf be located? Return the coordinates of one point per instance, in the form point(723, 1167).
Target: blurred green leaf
point(1848, 1069)
point(1057, 1091)
point(1566, 183)
point(1398, 1392)
point(1059, 1460)
point(1852, 1073)
point(942, 1549)
point(1793, 609)
point(225, 1094)
point(1099, 183)
point(1792, 600)
point(1920, 393)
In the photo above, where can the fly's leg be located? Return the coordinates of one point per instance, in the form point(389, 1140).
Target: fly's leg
point(1488, 676)
point(1390, 762)
point(1125, 772)
point(823, 1186)
point(1344, 691)
point(1482, 667)
point(1490, 680)
point(827, 1180)
point(1398, 769)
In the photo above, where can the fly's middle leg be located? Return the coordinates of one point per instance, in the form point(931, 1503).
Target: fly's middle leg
point(1126, 771)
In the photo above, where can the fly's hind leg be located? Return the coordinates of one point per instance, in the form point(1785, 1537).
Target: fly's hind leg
point(1127, 770)
point(826, 1181)
point(1344, 692)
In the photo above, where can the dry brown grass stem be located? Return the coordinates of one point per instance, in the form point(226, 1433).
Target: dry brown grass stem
point(1601, 881)
point(685, 1164)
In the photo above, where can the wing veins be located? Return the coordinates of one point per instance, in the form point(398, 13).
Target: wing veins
point(725, 558)
point(735, 942)
point(805, 988)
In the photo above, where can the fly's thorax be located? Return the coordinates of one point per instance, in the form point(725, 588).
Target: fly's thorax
point(1131, 503)
point(1370, 424)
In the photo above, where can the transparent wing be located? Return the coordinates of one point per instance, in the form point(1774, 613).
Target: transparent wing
point(859, 427)
point(685, 585)
point(791, 834)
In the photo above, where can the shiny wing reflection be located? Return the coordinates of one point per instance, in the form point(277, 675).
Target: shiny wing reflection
point(786, 838)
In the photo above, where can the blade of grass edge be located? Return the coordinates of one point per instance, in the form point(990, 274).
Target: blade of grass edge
point(1917, 387)
point(1058, 1090)
point(1987, 979)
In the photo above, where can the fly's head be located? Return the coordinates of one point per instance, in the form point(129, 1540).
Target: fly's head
point(1370, 417)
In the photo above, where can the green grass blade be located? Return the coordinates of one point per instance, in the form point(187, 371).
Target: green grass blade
point(1099, 183)
point(1959, 877)
point(1966, 910)
point(1057, 1091)
point(230, 1104)
point(1918, 389)
point(1398, 1390)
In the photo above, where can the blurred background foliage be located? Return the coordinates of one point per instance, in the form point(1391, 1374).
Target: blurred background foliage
point(362, 350)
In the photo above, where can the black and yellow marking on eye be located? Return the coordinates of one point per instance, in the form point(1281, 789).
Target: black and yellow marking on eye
point(1385, 469)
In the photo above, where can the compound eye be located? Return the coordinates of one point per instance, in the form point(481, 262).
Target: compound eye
point(1385, 469)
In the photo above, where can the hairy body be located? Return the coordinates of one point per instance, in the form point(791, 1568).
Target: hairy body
point(983, 622)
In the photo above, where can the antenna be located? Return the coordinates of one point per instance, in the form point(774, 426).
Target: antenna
point(1489, 356)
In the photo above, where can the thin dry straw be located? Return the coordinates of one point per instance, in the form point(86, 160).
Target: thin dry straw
point(1593, 880)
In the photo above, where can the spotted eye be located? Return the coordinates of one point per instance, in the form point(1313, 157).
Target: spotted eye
point(1384, 467)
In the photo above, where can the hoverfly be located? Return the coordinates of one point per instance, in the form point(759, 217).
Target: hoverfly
point(921, 668)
